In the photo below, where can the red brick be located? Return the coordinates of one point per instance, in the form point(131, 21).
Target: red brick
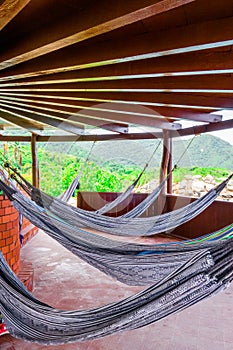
point(9, 225)
point(2, 242)
point(5, 250)
point(8, 210)
point(5, 203)
point(6, 218)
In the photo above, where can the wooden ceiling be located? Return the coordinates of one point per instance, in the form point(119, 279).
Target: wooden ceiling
point(80, 66)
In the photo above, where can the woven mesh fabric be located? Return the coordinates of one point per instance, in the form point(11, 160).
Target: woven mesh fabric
point(29, 319)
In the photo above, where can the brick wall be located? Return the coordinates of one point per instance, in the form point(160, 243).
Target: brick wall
point(9, 233)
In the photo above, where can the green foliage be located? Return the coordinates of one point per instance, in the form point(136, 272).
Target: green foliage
point(61, 162)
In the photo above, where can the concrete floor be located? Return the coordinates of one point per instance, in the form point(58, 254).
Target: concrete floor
point(66, 282)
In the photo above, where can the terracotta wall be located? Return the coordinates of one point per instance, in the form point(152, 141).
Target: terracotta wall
point(9, 233)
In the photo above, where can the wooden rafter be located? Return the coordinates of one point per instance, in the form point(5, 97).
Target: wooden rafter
point(151, 64)
point(44, 118)
point(104, 115)
point(90, 22)
point(19, 120)
point(75, 108)
point(9, 9)
point(66, 113)
point(206, 62)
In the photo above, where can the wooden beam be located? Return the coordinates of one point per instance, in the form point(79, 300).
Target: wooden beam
point(151, 99)
point(104, 115)
point(165, 111)
point(19, 120)
point(169, 168)
point(9, 9)
point(102, 137)
point(165, 157)
point(198, 84)
point(201, 129)
point(190, 38)
point(45, 119)
point(35, 163)
point(132, 136)
point(188, 114)
point(185, 39)
point(211, 62)
point(87, 138)
point(69, 114)
point(85, 24)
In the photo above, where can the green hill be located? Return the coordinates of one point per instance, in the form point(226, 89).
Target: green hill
point(113, 165)
point(205, 151)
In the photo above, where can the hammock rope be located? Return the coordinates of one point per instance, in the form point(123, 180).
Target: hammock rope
point(27, 186)
point(109, 206)
point(66, 195)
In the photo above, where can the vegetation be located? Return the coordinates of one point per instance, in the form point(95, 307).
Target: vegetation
point(116, 167)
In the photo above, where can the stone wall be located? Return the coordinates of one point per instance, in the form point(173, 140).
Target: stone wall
point(193, 186)
point(197, 186)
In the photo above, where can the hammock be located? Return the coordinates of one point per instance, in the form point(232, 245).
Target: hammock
point(29, 319)
point(124, 225)
point(132, 264)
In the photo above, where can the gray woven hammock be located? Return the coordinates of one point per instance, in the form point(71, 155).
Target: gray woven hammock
point(132, 264)
point(125, 225)
point(29, 319)
point(66, 195)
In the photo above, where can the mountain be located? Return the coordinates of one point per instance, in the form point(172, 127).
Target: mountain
point(204, 151)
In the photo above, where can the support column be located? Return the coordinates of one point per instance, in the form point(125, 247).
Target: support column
point(165, 157)
point(35, 163)
point(169, 168)
point(164, 170)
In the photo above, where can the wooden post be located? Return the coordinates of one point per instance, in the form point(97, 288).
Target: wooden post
point(163, 170)
point(169, 168)
point(165, 157)
point(35, 164)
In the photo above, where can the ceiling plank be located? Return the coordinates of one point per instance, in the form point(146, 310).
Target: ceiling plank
point(44, 118)
point(19, 120)
point(185, 39)
point(85, 24)
point(205, 82)
point(194, 100)
point(9, 9)
point(71, 115)
point(139, 115)
point(195, 63)
point(171, 112)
